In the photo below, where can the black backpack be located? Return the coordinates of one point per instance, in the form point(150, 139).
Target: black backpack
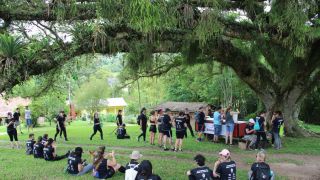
point(262, 172)
point(138, 120)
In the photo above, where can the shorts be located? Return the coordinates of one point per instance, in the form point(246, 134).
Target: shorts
point(217, 129)
point(153, 128)
point(180, 134)
point(200, 127)
point(230, 127)
point(167, 133)
point(160, 129)
point(29, 122)
point(13, 135)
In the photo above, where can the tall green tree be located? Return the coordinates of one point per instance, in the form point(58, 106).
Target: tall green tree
point(273, 46)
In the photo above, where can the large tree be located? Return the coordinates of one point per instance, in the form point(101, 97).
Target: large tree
point(273, 46)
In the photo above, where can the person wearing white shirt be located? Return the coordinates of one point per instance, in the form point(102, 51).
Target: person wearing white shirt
point(27, 115)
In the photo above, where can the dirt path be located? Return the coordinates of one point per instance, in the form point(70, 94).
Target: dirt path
point(295, 167)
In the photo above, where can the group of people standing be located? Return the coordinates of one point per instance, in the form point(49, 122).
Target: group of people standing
point(162, 122)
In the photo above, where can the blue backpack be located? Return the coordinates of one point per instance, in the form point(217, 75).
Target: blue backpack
point(256, 126)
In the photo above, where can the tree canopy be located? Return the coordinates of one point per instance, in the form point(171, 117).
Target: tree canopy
point(273, 46)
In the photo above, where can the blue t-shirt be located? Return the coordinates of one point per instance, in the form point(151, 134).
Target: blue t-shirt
point(217, 118)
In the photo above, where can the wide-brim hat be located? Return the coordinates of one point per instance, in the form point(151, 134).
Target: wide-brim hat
point(135, 155)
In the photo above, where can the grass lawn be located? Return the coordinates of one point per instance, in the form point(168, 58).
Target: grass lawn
point(169, 165)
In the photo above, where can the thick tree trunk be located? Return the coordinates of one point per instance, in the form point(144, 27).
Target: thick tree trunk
point(289, 104)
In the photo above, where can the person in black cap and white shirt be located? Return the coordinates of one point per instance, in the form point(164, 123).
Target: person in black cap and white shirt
point(77, 166)
point(202, 172)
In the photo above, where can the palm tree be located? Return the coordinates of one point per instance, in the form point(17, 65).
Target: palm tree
point(10, 49)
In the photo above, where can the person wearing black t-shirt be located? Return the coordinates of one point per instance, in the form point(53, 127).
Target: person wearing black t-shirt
point(261, 133)
point(201, 120)
point(250, 136)
point(202, 172)
point(160, 129)
point(29, 144)
point(146, 172)
point(122, 132)
point(188, 118)
point(277, 122)
point(180, 124)
point(49, 152)
point(133, 164)
point(119, 118)
point(105, 168)
point(166, 129)
point(225, 168)
point(61, 118)
point(11, 130)
point(96, 126)
point(38, 148)
point(45, 139)
point(143, 124)
point(16, 117)
point(77, 166)
point(260, 169)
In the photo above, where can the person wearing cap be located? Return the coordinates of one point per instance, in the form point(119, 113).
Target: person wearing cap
point(202, 171)
point(132, 168)
point(167, 133)
point(250, 136)
point(260, 169)
point(146, 171)
point(77, 166)
point(225, 168)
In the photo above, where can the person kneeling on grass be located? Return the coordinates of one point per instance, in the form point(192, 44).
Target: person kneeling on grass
point(77, 166)
point(103, 167)
point(38, 148)
point(260, 169)
point(29, 144)
point(225, 168)
point(49, 152)
point(122, 132)
point(202, 171)
point(146, 172)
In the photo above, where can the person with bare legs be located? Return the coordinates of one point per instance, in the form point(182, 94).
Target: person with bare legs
point(180, 124)
point(160, 127)
point(229, 124)
point(153, 126)
point(167, 133)
point(12, 130)
point(201, 119)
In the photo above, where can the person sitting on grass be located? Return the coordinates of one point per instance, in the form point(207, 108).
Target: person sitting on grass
point(122, 132)
point(103, 167)
point(180, 124)
point(260, 169)
point(38, 148)
point(29, 144)
point(132, 167)
point(49, 151)
point(202, 171)
point(146, 172)
point(225, 168)
point(77, 166)
point(250, 136)
point(44, 139)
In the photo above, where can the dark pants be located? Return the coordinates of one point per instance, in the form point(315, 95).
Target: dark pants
point(57, 158)
point(264, 139)
point(95, 129)
point(143, 133)
point(13, 135)
point(190, 129)
point(62, 130)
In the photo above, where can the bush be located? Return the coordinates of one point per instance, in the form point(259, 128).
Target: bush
point(108, 117)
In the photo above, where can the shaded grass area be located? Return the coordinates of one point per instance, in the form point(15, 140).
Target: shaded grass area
point(169, 165)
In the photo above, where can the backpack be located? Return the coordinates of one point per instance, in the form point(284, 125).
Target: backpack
point(131, 173)
point(263, 172)
point(138, 120)
point(256, 126)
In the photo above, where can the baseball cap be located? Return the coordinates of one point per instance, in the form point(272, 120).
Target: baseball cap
point(251, 121)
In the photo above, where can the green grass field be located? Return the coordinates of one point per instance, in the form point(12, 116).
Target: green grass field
point(169, 165)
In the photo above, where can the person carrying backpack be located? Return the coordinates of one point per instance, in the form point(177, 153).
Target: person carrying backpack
point(277, 122)
point(259, 127)
point(260, 170)
point(132, 168)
